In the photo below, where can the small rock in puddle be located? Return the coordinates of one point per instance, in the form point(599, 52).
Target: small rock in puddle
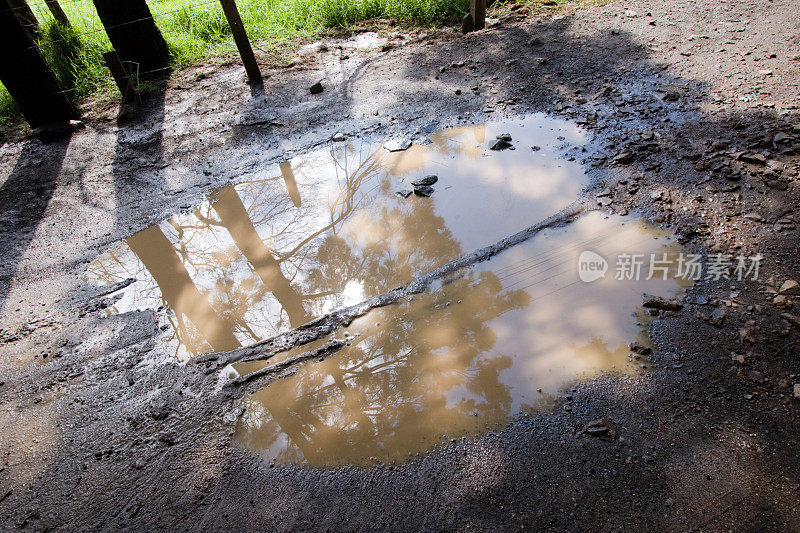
point(639, 348)
point(427, 181)
point(502, 142)
point(423, 190)
point(404, 193)
point(657, 302)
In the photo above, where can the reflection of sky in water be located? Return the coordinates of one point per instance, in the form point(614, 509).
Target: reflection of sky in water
point(504, 336)
point(326, 230)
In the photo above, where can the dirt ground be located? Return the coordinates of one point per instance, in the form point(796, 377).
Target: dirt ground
point(694, 111)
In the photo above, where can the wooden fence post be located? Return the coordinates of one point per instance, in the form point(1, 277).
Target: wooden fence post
point(477, 9)
point(27, 76)
point(242, 42)
point(26, 16)
point(134, 35)
point(58, 13)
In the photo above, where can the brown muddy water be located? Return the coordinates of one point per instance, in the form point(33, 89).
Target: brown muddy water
point(502, 337)
point(327, 230)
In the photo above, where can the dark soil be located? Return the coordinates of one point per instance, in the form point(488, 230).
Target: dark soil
point(694, 110)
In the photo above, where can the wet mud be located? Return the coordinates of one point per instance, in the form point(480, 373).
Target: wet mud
point(158, 294)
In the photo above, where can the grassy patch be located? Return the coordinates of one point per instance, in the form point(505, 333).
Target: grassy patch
point(197, 29)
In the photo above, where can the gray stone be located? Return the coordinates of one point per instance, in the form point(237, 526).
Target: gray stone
point(641, 349)
point(718, 316)
point(756, 159)
point(657, 302)
point(426, 181)
point(423, 191)
point(397, 145)
point(672, 96)
point(500, 144)
point(624, 157)
point(790, 287)
point(792, 319)
point(602, 427)
point(604, 201)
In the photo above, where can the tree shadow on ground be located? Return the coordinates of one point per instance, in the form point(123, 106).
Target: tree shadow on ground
point(25, 195)
point(540, 471)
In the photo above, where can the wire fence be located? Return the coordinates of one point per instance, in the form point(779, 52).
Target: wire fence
point(168, 14)
point(183, 25)
point(75, 52)
point(193, 30)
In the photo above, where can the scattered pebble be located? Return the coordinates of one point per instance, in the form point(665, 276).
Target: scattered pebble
point(503, 142)
point(425, 182)
point(423, 191)
point(601, 427)
point(790, 287)
point(397, 145)
point(657, 302)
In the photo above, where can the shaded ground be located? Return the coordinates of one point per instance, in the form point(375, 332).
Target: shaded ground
point(97, 438)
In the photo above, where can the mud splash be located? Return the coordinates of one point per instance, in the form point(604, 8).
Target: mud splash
point(502, 337)
point(327, 230)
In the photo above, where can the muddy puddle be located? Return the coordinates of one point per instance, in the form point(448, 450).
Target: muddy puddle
point(496, 339)
point(327, 229)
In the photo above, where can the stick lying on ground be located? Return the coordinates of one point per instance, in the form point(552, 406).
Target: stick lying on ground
point(327, 324)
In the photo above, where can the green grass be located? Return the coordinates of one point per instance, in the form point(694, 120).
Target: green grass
point(197, 29)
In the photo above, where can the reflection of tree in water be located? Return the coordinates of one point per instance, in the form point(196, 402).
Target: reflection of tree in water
point(381, 249)
point(271, 253)
point(424, 372)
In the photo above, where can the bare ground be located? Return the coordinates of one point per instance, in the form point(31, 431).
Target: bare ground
point(96, 438)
